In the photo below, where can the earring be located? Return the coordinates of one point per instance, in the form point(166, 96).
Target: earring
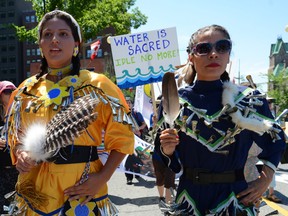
point(41, 52)
point(76, 51)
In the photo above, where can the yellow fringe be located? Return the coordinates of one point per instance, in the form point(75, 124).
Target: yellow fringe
point(28, 192)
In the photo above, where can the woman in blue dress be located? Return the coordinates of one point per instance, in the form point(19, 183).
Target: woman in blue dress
point(214, 131)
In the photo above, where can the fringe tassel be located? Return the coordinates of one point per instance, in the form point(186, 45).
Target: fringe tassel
point(107, 208)
point(28, 192)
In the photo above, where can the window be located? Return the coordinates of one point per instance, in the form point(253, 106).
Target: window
point(33, 19)
point(33, 52)
point(11, 48)
point(3, 49)
point(28, 52)
point(13, 70)
point(11, 37)
point(28, 62)
point(2, 37)
point(2, 3)
point(27, 19)
point(38, 52)
point(11, 14)
point(88, 54)
point(4, 71)
point(2, 15)
point(4, 60)
point(12, 59)
point(11, 3)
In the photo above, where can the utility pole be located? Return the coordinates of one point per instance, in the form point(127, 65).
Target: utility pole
point(239, 77)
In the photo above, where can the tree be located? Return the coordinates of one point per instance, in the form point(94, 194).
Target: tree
point(93, 16)
point(279, 90)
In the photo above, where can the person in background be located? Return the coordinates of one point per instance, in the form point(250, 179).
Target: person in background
point(132, 164)
point(8, 172)
point(73, 180)
point(270, 193)
point(214, 132)
point(165, 177)
point(142, 126)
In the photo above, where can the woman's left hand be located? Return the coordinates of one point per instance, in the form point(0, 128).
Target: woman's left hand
point(87, 189)
point(2, 143)
point(256, 188)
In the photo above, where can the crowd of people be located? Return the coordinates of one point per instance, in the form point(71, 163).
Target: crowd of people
point(221, 133)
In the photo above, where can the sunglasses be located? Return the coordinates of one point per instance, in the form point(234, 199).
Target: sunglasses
point(7, 91)
point(221, 46)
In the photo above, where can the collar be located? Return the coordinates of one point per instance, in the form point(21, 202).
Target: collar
point(60, 71)
point(207, 86)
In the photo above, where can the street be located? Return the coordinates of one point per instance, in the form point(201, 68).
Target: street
point(141, 198)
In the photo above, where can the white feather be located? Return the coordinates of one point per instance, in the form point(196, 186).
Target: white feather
point(260, 126)
point(34, 141)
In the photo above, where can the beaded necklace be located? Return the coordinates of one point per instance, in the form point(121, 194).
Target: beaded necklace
point(60, 72)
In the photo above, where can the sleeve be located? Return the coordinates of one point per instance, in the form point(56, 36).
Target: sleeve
point(272, 142)
point(118, 135)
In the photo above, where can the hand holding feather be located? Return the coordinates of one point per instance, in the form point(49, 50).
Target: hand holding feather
point(171, 106)
point(42, 141)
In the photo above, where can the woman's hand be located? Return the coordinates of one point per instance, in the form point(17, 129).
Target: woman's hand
point(256, 188)
point(88, 189)
point(24, 163)
point(2, 143)
point(169, 139)
point(95, 181)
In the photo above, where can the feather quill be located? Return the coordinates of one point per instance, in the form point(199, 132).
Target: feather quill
point(41, 141)
point(171, 106)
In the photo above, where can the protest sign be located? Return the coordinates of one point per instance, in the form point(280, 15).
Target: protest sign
point(142, 58)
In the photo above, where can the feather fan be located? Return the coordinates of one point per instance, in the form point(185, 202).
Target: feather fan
point(42, 141)
point(171, 106)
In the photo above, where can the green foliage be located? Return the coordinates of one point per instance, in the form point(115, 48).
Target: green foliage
point(93, 16)
point(23, 34)
point(280, 89)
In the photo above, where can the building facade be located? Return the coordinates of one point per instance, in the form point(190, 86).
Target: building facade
point(278, 57)
point(12, 50)
point(22, 59)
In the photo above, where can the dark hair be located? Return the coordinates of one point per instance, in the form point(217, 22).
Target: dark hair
point(69, 20)
point(194, 40)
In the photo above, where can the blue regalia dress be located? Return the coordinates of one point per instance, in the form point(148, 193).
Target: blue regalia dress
point(213, 149)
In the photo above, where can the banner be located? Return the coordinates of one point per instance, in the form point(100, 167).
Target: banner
point(143, 58)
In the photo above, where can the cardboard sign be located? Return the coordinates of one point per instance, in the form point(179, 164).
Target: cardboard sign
point(143, 58)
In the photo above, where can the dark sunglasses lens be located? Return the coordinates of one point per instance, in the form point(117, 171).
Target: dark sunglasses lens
point(203, 48)
point(223, 46)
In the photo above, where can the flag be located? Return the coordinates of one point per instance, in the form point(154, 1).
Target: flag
point(95, 47)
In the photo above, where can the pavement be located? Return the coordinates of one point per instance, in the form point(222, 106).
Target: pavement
point(141, 198)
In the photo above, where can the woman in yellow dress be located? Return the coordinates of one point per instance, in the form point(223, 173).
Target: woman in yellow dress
point(73, 181)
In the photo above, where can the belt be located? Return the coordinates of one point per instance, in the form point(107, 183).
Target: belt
point(202, 176)
point(75, 154)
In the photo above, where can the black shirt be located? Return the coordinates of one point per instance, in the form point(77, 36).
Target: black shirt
point(5, 159)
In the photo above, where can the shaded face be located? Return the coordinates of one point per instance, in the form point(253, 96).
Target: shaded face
point(211, 66)
point(130, 104)
point(57, 43)
point(5, 96)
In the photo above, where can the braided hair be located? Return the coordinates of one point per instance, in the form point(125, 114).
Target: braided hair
point(193, 41)
point(71, 22)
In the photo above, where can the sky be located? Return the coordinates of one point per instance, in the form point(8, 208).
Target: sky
point(253, 26)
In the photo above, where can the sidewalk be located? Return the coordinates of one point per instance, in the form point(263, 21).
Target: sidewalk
point(138, 199)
